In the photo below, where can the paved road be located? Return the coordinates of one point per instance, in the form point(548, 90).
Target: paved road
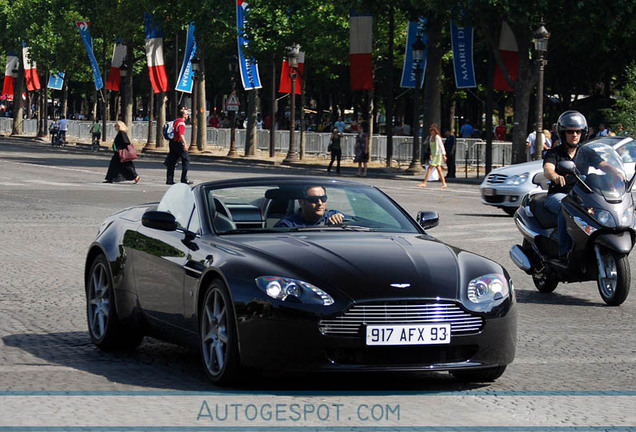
point(574, 369)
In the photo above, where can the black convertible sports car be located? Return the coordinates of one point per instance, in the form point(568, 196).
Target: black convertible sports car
point(258, 273)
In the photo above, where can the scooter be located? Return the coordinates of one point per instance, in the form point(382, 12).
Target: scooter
point(56, 137)
point(599, 214)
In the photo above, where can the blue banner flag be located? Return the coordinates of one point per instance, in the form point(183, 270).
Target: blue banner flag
point(88, 44)
point(416, 28)
point(248, 66)
point(56, 81)
point(462, 41)
point(184, 84)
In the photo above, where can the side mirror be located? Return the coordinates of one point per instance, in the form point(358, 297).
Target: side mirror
point(428, 219)
point(163, 221)
point(540, 180)
point(566, 167)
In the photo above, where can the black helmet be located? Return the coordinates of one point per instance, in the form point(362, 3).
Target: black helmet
point(571, 120)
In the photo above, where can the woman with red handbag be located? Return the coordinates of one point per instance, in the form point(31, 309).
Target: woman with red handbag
point(121, 165)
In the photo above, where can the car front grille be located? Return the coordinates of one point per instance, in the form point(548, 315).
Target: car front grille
point(351, 322)
point(496, 178)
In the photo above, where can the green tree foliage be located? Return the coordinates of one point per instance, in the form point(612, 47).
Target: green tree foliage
point(623, 114)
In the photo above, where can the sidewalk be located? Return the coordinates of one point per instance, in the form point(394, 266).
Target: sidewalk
point(308, 165)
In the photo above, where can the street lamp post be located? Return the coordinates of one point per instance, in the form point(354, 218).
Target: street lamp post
point(292, 58)
point(123, 72)
point(233, 66)
point(418, 48)
point(195, 108)
point(541, 37)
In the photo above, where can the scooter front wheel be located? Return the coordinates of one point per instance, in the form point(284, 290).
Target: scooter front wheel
point(614, 277)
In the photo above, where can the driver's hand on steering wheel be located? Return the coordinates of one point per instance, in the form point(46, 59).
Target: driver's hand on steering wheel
point(335, 219)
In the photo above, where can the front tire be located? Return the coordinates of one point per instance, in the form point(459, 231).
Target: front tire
point(479, 375)
point(613, 282)
point(510, 211)
point(104, 326)
point(219, 341)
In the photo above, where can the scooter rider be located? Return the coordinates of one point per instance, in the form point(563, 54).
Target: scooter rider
point(572, 129)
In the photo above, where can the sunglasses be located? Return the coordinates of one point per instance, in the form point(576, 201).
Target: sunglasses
point(315, 199)
point(572, 132)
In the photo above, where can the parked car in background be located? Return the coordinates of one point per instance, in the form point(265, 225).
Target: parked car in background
point(505, 187)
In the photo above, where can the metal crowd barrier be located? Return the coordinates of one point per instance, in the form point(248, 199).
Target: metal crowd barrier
point(470, 152)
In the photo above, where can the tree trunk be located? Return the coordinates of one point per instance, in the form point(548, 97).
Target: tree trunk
point(202, 137)
point(150, 143)
point(523, 88)
point(161, 119)
point(18, 112)
point(250, 133)
point(128, 109)
point(389, 89)
point(433, 79)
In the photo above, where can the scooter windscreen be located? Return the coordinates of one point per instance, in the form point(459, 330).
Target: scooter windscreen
point(602, 169)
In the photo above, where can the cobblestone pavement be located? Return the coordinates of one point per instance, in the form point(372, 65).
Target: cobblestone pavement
point(575, 364)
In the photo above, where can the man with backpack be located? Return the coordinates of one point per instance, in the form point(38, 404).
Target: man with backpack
point(178, 149)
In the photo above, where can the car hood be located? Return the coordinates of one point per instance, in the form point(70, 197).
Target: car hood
point(516, 169)
point(364, 265)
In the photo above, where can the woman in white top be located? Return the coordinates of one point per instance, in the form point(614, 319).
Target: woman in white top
point(437, 157)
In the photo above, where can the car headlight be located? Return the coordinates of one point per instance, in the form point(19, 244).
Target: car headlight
point(516, 180)
point(287, 289)
point(487, 288)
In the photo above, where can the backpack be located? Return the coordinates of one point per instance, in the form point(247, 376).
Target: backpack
point(168, 130)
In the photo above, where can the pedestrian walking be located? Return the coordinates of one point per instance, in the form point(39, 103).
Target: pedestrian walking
point(179, 149)
point(361, 151)
point(335, 149)
point(117, 170)
point(437, 157)
point(450, 145)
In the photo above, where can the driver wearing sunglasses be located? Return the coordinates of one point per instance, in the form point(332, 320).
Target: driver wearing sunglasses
point(313, 211)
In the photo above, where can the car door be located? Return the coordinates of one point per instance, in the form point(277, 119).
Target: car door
point(161, 259)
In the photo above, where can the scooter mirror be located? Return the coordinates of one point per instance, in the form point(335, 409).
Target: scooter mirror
point(566, 167)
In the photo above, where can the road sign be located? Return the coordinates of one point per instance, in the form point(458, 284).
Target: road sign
point(232, 103)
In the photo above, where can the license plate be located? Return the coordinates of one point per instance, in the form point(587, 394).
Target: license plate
point(489, 192)
point(417, 334)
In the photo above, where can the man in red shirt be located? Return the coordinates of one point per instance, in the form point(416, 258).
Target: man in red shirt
point(500, 131)
point(179, 149)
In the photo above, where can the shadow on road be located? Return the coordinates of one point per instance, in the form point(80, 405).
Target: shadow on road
point(157, 365)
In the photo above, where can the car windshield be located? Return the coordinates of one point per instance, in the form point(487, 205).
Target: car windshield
point(284, 207)
point(602, 169)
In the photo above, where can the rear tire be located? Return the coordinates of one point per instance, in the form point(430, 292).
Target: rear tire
point(219, 340)
point(479, 375)
point(104, 327)
point(614, 288)
point(544, 280)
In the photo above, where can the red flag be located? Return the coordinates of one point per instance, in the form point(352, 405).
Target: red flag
point(114, 75)
point(510, 55)
point(30, 71)
point(285, 79)
point(360, 49)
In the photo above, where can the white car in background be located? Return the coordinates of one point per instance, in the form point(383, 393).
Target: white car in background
point(505, 187)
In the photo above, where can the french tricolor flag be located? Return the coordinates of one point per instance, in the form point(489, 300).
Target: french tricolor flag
point(361, 47)
point(154, 54)
point(285, 79)
point(509, 52)
point(114, 76)
point(12, 63)
point(30, 71)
